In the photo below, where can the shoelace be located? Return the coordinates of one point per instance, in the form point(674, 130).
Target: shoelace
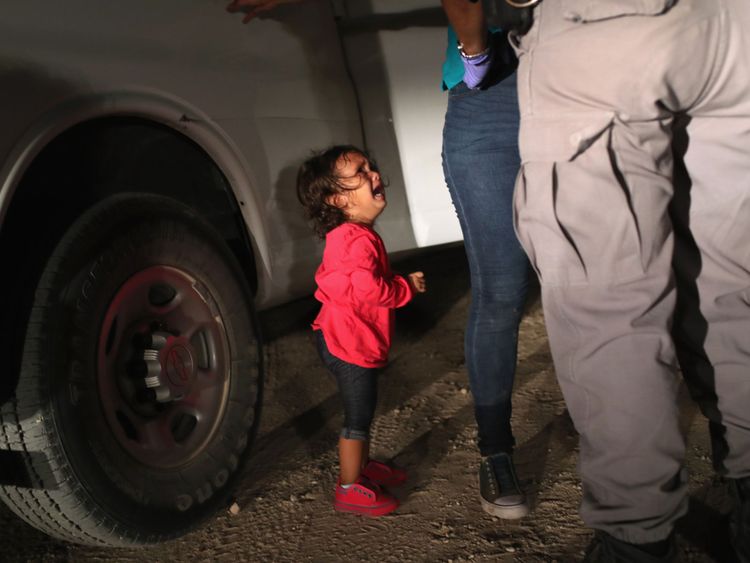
point(506, 478)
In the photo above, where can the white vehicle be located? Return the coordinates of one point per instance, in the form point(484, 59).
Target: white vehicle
point(148, 154)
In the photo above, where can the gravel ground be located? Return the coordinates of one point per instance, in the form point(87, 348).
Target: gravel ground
point(425, 424)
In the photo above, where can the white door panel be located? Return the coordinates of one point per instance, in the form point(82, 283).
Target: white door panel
point(418, 105)
point(396, 51)
point(277, 88)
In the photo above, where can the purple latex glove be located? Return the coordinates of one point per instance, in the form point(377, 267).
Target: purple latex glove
point(475, 69)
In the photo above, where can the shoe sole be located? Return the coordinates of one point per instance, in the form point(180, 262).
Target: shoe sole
point(366, 510)
point(513, 512)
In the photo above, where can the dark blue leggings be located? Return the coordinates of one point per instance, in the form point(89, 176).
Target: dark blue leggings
point(358, 388)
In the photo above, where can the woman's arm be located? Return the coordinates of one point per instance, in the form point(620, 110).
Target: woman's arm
point(467, 20)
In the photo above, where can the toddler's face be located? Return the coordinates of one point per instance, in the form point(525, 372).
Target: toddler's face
point(363, 197)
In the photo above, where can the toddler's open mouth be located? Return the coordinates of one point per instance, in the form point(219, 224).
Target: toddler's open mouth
point(378, 192)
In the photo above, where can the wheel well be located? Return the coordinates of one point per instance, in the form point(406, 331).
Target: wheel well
point(84, 165)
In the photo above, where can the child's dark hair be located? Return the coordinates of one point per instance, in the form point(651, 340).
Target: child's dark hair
point(317, 183)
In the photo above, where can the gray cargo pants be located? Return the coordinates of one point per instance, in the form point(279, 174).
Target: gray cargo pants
point(625, 106)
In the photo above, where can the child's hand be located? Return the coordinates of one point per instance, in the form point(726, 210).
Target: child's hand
point(416, 280)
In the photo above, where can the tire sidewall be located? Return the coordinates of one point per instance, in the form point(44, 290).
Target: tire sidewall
point(120, 238)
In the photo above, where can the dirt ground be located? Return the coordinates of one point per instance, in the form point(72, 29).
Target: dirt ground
point(425, 424)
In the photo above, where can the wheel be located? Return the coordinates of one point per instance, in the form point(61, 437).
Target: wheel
point(140, 379)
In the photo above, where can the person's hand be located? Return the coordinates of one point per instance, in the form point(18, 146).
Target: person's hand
point(416, 280)
point(476, 68)
point(252, 8)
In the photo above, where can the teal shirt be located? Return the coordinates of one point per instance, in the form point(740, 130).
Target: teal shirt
point(453, 68)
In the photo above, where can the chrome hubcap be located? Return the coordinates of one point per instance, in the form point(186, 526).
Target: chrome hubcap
point(163, 366)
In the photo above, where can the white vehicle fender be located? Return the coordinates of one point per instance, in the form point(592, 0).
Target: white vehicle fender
point(160, 108)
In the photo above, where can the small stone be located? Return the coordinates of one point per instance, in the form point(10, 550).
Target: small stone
point(510, 549)
point(234, 510)
point(464, 391)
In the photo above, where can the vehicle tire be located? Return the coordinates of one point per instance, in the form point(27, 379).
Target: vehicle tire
point(140, 381)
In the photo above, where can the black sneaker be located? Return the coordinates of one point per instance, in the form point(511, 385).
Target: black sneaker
point(607, 549)
point(739, 522)
point(499, 491)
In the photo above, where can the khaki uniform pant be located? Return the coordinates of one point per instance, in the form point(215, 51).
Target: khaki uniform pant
point(633, 203)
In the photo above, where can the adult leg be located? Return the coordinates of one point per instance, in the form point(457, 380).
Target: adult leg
point(712, 259)
point(712, 262)
point(599, 84)
point(480, 161)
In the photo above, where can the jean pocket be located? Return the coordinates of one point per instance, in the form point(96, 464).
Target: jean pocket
point(461, 90)
point(596, 10)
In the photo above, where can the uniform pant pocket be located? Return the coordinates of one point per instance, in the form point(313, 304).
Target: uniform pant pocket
point(579, 216)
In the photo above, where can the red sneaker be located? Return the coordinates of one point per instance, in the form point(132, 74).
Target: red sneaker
point(382, 474)
point(364, 497)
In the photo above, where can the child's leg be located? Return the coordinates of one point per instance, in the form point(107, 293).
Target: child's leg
point(358, 387)
point(352, 459)
point(358, 390)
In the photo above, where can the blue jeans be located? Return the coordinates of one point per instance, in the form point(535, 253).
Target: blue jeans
point(480, 162)
point(358, 388)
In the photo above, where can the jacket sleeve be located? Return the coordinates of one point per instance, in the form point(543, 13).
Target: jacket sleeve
point(369, 283)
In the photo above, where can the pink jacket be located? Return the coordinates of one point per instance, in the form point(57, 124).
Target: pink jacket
point(359, 294)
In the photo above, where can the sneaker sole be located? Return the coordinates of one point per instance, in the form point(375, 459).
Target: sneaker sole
point(366, 510)
point(513, 512)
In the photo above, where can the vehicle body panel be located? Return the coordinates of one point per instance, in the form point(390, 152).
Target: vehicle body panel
point(256, 98)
